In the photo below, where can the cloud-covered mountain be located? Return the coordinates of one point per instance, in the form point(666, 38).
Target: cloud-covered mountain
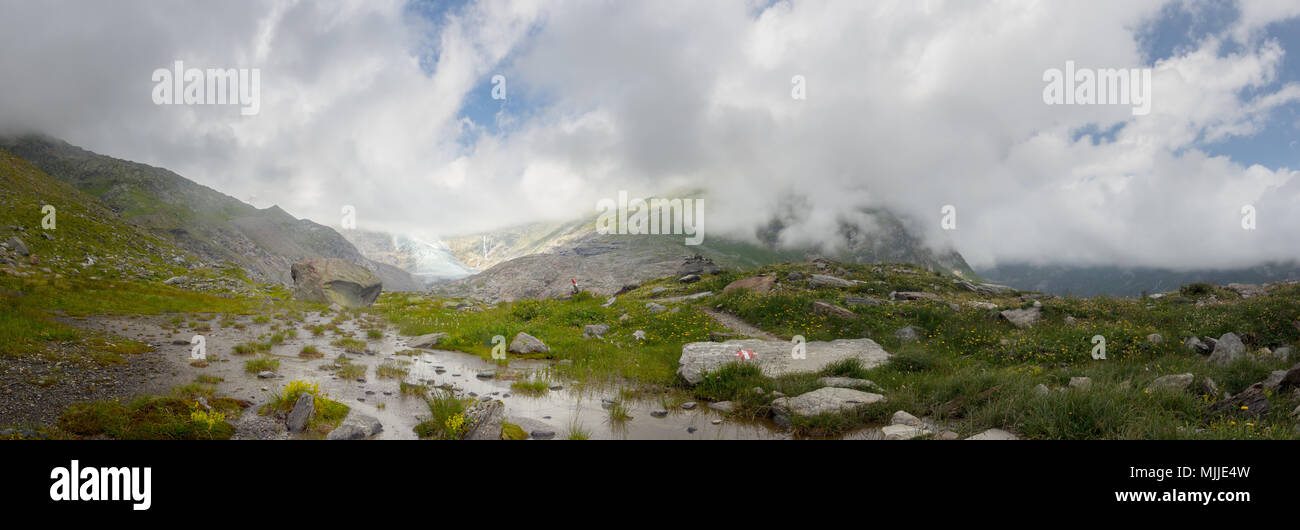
point(426, 261)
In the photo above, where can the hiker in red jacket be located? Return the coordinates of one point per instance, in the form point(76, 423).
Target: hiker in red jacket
point(575, 285)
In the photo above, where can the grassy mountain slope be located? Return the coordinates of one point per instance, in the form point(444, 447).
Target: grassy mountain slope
point(213, 226)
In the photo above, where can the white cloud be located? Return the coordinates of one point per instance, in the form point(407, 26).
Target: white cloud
point(911, 105)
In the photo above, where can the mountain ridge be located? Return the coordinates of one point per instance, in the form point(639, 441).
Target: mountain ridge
point(210, 224)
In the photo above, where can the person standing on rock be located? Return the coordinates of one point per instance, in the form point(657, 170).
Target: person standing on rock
point(575, 285)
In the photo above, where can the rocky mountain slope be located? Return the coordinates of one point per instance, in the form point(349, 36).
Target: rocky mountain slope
point(539, 259)
point(83, 238)
point(213, 226)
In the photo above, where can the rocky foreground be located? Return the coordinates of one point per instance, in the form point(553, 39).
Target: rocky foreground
point(817, 349)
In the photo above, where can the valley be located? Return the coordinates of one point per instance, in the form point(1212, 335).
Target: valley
point(104, 306)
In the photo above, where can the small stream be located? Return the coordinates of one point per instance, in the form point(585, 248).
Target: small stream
point(557, 411)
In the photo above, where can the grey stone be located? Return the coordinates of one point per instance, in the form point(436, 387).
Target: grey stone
point(1250, 402)
point(689, 405)
point(855, 301)
point(773, 357)
point(1209, 387)
point(333, 280)
point(907, 334)
point(722, 406)
point(429, 341)
point(1196, 345)
point(824, 400)
point(1176, 382)
point(654, 307)
point(832, 309)
point(821, 280)
point(903, 418)
point(595, 330)
point(1227, 349)
point(914, 295)
point(689, 278)
point(525, 343)
point(1041, 389)
point(356, 426)
point(266, 375)
point(903, 432)
point(17, 246)
point(994, 434)
point(1080, 383)
point(849, 382)
point(1155, 338)
point(1274, 380)
point(484, 420)
point(1022, 318)
point(302, 411)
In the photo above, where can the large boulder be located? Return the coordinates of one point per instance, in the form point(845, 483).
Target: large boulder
point(17, 246)
point(775, 358)
point(1227, 349)
point(821, 280)
point(334, 281)
point(428, 342)
point(914, 295)
point(1250, 402)
point(483, 420)
point(356, 426)
point(833, 310)
point(1022, 318)
point(301, 413)
point(1175, 382)
point(525, 343)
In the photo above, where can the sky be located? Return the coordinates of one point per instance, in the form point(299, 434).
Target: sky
point(387, 106)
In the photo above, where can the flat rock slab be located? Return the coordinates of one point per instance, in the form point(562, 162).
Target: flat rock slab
point(774, 357)
point(849, 382)
point(903, 432)
point(429, 341)
point(994, 434)
point(824, 400)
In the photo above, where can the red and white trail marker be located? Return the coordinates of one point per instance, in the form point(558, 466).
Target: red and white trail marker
point(745, 355)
